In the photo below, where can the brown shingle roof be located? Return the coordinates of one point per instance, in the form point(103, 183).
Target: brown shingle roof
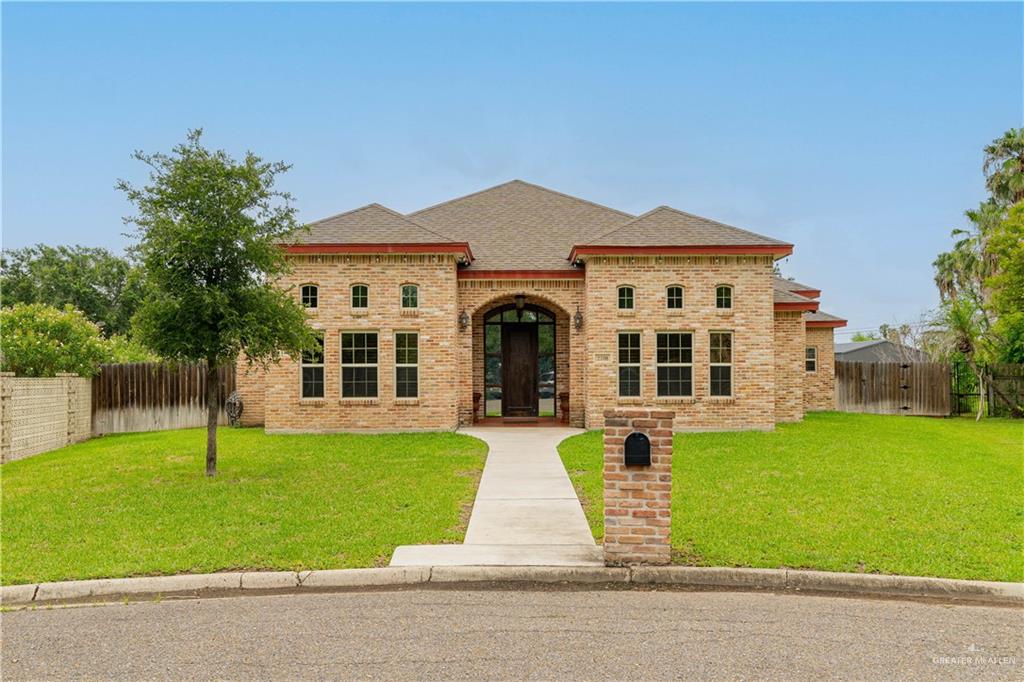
point(667, 226)
point(520, 226)
point(791, 285)
point(371, 224)
point(823, 317)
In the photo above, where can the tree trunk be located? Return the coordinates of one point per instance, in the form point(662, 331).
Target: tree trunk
point(212, 408)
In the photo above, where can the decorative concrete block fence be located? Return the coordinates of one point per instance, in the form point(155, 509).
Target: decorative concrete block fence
point(41, 414)
point(637, 486)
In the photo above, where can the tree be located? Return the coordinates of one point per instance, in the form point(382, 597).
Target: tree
point(105, 287)
point(39, 340)
point(1004, 167)
point(861, 336)
point(210, 230)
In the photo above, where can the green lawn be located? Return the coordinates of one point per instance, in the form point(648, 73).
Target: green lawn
point(842, 492)
point(139, 504)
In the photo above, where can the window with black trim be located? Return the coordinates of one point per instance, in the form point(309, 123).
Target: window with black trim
point(359, 364)
point(310, 295)
point(674, 297)
point(721, 363)
point(407, 371)
point(312, 369)
point(629, 364)
point(360, 296)
point(811, 359)
point(723, 297)
point(410, 296)
point(675, 364)
point(626, 298)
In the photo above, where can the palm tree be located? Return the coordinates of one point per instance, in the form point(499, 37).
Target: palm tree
point(1004, 166)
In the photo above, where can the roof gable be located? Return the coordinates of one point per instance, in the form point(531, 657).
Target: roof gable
point(371, 224)
point(667, 228)
point(520, 226)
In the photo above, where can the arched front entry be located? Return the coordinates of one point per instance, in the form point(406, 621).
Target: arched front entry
point(519, 361)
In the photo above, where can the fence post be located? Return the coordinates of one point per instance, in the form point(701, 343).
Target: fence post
point(5, 415)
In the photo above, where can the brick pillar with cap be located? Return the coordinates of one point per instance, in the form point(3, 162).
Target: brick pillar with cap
point(637, 497)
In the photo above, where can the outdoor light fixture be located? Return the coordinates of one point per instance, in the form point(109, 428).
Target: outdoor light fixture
point(577, 319)
point(463, 321)
point(520, 300)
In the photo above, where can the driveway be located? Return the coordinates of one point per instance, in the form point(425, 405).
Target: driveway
point(497, 634)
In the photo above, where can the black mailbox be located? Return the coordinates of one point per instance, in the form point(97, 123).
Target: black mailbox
point(638, 450)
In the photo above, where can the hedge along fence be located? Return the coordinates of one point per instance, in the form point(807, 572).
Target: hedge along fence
point(41, 414)
point(151, 396)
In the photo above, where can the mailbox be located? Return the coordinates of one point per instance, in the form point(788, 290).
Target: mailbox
point(638, 450)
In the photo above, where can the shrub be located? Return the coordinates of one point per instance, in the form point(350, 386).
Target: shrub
point(38, 340)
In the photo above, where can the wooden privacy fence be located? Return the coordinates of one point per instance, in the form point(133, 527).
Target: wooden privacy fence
point(151, 396)
point(919, 388)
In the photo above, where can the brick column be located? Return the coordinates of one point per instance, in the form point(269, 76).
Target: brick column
point(637, 499)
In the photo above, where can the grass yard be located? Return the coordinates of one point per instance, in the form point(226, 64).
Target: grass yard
point(842, 492)
point(139, 504)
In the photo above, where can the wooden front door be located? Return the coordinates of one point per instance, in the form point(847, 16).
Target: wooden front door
point(519, 370)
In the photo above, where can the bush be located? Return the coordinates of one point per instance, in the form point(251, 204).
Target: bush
point(38, 340)
point(124, 349)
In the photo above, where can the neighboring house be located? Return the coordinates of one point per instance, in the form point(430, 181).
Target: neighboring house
point(522, 303)
point(879, 351)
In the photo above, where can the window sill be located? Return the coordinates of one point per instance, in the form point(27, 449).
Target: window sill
point(402, 402)
point(360, 312)
point(312, 402)
point(360, 401)
point(410, 312)
point(720, 399)
point(681, 400)
point(626, 313)
point(630, 401)
point(675, 312)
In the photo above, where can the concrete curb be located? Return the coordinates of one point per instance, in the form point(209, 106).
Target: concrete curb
point(858, 584)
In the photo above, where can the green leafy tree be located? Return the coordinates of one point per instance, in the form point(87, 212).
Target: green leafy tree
point(210, 230)
point(126, 349)
point(861, 336)
point(38, 340)
point(105, 287)
point(1004, 167)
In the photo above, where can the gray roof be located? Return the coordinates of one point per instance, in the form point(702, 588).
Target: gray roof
point(520, 226)
point(371, 224)
point(878, 350)
point(781, 294)
point(792, 285)
point(821, 316)
point(667, 226)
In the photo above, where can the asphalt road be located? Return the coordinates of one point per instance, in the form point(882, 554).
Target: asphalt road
point(515, 634)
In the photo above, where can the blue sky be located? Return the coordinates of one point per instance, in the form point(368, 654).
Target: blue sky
point(853, 130)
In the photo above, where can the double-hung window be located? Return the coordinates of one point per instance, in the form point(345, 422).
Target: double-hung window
point(811, 359)
point(721, 363)
point(407, 372)
point(310, 295)
point(359, 364)
point(674, 297)
point(360, 296)
point(675, 364)
point(410, 296)
point(626, 296)
point(723, 297)
point(629, 364)
point(312, 372)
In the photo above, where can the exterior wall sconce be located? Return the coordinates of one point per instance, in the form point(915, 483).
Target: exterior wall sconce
point(520, 300)
point(577, 319)
point(463, 321)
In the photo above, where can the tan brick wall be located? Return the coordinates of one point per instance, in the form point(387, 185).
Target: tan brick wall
point(820, 386)
point(789, 366)
point(561, 297)
point(637, 499)
point(435, 320)
point(251, 384)
point(751, 320)
point(42, 414)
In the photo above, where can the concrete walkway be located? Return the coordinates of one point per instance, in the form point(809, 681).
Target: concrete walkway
point(526, 511)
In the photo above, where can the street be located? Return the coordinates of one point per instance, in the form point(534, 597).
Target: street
point(511, 634)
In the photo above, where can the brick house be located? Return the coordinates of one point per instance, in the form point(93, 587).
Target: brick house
point(519, 303)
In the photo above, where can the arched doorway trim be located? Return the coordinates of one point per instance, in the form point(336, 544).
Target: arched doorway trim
point(519, 361)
